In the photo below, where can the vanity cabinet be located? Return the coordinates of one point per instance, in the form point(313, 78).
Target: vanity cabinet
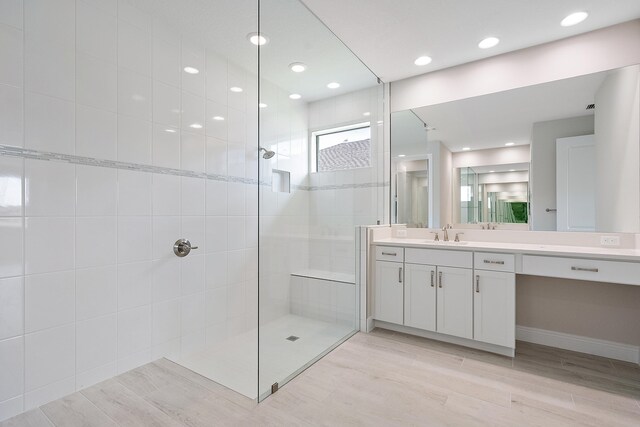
point(494, 298)
point(420, 296)
point(455, 302)
point(389, 292)
point(462, 294)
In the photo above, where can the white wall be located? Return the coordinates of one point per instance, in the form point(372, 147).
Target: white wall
point(89, 285)
point(492, 156)
point(543, 166)
point(617, 137)
point(600, 50)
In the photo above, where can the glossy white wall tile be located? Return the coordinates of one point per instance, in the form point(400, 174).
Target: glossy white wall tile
point(11, 49)
point(11, 116)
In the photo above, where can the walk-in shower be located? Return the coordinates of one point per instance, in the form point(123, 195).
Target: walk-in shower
point(133, 133)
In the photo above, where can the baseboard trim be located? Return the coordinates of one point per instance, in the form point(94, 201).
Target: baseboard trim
point(597, 347)
point(504, 351)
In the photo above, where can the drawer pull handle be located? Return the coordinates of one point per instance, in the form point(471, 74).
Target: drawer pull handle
point(433, 273)
point(439, 279)
point(591, 270)
point(477, 283)
point(390, 253)
point(400, 275)
point(488, 261)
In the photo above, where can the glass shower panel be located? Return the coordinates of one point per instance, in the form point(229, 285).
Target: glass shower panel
point(308, 300)
point(207, 46)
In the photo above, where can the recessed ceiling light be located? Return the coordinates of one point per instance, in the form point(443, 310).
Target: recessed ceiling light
point(262, 105)
point(401, 155)
point(574, 18)
point(509, 144)
point(297, 67)
point(366, 114)
point(235, 89)
point(422, 60)
point(295, 96)
point(488, 42)
point(170, 130)
point(466, 148)
point(258, 39)
point(218, 118)
point(195, 126)
point(191, 70)
point(491, 171)
point(333, 85)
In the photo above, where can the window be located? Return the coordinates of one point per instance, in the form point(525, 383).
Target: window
point(348, 147)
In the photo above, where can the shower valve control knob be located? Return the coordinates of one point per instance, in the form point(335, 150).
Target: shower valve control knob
point(182, 247)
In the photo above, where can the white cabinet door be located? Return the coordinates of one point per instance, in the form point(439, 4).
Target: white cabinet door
point(455, 301)
point(389, 292)
point(420, 296)
point(494, 307)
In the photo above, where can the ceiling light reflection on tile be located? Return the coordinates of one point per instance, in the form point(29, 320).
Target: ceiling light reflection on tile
point(262, 105)
point(191, 70)
point(235, 89)
point(195, 126)
point(218, 118)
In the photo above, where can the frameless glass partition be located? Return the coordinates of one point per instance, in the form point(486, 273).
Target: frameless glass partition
point(320, 133)
point(209, 46)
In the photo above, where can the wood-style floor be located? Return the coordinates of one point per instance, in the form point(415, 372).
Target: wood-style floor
point(379, 379)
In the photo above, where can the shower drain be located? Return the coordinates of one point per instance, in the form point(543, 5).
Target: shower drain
point(293, 338)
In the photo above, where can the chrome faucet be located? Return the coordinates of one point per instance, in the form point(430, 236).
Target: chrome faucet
point(446, 232)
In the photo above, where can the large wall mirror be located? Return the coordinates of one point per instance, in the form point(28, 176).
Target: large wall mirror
point(563, 155)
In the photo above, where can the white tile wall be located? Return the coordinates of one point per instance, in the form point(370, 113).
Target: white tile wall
point(91, 286)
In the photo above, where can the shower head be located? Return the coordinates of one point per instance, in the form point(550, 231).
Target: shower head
point(267, 153)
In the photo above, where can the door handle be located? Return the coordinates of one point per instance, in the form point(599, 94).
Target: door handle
point(477, 283)
point(433, 273)
point(439, 279)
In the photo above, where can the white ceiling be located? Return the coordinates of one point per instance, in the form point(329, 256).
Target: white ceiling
point(389, 35)
point(490, 121)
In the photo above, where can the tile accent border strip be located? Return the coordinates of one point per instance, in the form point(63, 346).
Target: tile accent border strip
point(26, 153)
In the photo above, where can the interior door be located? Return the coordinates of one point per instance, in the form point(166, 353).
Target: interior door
point(575, 183)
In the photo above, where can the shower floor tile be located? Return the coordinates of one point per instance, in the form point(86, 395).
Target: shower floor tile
point(234, 364)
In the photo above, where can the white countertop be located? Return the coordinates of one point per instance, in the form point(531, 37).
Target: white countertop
point(521, 248)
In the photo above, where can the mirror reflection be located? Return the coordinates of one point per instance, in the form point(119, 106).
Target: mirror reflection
point(565, 156)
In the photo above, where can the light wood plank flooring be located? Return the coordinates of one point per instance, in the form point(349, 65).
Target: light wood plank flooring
point(379, 379)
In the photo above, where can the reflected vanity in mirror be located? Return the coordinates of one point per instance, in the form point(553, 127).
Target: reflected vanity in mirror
point(558, 156)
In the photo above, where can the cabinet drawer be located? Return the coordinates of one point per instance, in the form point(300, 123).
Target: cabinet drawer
point(494, 261)
point(389, 253)
point(446, 258)
point(627, 273)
